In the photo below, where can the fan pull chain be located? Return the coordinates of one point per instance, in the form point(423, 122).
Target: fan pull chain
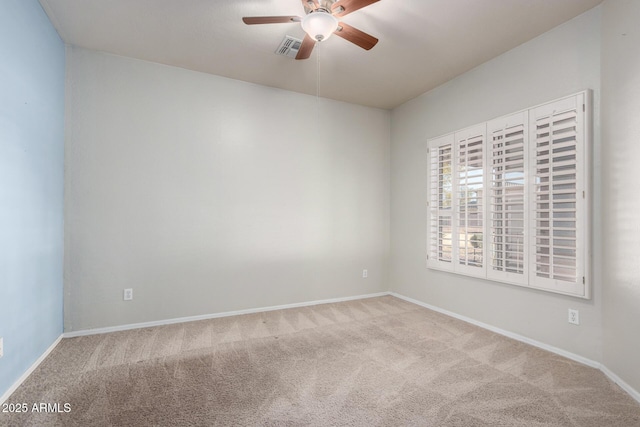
point(318, 81)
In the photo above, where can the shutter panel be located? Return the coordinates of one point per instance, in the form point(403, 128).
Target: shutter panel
point(440, 212)
point(557, 225)
point(469, 201)
point(507, 198)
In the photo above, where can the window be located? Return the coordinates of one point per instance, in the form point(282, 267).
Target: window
point(507, 199)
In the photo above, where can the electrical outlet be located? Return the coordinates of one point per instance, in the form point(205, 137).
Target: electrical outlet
point(128, 294)
point(1, 346)
point(365, 274)
point(574, 317)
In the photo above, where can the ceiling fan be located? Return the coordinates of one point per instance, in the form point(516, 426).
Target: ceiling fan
point(320, 21)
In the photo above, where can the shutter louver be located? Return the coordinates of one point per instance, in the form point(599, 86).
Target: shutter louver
point(441, 204)
point(470, 200)
point(507, 199)
point(555, 193)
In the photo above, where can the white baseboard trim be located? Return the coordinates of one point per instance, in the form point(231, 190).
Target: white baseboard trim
point(214, 315)
point(592, 363)
point(623, 385)
point(29, 371)
point(509, 334)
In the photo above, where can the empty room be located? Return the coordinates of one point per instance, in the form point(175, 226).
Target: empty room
point(319, 212)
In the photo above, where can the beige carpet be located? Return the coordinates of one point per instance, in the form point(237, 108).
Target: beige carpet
point(379, 361)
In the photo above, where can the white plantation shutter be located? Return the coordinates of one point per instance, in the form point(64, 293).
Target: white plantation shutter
point(507, 198)
point(440, 205)
point(557, 167)
point(469, 201)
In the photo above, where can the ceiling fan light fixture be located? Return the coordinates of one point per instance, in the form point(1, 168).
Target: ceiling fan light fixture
point(319, 24)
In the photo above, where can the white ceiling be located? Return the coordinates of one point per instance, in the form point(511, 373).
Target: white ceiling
point(423, 43)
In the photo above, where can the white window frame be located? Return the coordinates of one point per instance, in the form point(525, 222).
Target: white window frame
point(581, 102)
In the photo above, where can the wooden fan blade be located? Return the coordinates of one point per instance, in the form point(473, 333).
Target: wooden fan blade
point(355, 36)
point(307, 46)
point(270, 19)
point(345, 7)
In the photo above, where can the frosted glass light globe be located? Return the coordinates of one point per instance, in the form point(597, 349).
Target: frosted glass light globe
point(319, 25)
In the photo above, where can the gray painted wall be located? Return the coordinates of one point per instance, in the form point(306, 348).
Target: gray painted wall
point(207, 195)
point(560, 62)
point(621, 160)
point(31, 188)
